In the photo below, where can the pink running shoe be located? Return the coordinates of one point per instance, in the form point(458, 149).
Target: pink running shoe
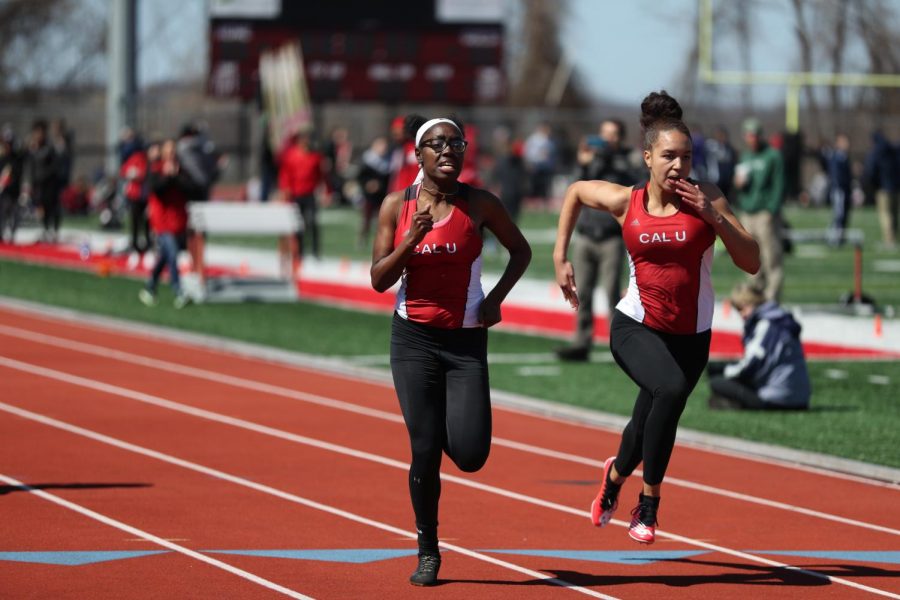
point(607, 500)
point(643, 520)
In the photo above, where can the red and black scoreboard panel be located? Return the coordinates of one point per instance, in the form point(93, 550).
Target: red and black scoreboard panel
point(394, 51)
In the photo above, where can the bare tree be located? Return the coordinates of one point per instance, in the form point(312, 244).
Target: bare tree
point(804, 38)
point(837, 46)
point(739, 16)
point(50, 44)
point(541, 63)
point(732, 23)
point(876, 23)
point(826, 32)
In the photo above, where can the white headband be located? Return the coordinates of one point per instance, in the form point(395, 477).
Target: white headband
point(429, 124)
point(425, 127)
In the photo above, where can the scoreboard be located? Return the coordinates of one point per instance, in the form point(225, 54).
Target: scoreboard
point(399, 51)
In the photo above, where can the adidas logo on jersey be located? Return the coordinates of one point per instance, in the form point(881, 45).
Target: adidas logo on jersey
point(635, 222)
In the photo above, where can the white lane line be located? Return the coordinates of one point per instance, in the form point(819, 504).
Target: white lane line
point(494, 358)
point(277, 433)
point(154, 539)
point(186, 464)
point(700, 487)
point(275, 390)
point(204, 374)
point(539, 371)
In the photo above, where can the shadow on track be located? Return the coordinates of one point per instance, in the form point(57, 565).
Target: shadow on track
point(8, 489)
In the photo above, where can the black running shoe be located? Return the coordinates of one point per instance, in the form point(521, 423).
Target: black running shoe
point(427, 571)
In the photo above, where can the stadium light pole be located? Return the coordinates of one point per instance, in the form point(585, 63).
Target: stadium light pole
point(121, 87)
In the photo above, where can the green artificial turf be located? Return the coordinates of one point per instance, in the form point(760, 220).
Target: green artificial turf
point(855, 410)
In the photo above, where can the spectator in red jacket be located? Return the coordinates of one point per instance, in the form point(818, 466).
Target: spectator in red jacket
point(133, 174)
point(75, 198)
point(404, 164)
point(300, 173)
point(170, 187)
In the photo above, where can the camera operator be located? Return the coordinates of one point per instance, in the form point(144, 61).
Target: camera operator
point(597, 249)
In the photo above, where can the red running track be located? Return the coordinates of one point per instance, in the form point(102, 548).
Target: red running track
point(220, 475)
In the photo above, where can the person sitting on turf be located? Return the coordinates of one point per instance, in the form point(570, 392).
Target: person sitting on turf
point(772, 373)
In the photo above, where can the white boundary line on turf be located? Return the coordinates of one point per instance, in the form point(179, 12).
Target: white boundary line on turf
point(152, 538)
point(800, 460)
point(344, 450)
point(494, 358)
point(186, 464)
point(222, 378)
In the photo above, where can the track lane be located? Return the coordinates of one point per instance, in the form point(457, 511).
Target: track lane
point(551, 467)
point(738, 476)
point(210, 509)
point(711, 572)
point(109, 406)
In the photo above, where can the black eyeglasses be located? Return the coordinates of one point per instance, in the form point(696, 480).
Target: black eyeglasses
point(457, 145)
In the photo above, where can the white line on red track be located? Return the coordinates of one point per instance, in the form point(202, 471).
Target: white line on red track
point(250, 384)
point(534, 408)
point(154, 539)
point(167, 458)
point(344, 450)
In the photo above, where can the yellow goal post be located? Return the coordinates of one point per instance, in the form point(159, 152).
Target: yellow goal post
point(792, 80)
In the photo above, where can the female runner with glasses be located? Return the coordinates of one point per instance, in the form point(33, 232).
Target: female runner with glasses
point(430, 239)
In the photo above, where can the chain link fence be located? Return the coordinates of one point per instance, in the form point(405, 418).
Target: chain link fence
point(235, 127)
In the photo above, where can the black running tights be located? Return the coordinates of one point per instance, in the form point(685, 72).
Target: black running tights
point(441, 378)
point(666, 367)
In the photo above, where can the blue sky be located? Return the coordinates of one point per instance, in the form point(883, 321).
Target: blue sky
point(626, 49)
point(623, 50)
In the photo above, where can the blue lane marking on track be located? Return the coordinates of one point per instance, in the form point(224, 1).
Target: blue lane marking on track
point(345, 556)
point(362, 555)
point(880, 556)
point(621, 557)
point(74, 558)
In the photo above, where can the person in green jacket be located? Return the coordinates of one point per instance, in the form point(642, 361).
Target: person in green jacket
point(759, 180)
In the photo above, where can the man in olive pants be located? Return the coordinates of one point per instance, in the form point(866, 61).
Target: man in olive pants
point(759, 179)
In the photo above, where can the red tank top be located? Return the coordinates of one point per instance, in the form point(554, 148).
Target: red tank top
point(441, 285)
point(670, 261)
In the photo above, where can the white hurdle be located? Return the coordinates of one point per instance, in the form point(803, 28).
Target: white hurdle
point(237, 218)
